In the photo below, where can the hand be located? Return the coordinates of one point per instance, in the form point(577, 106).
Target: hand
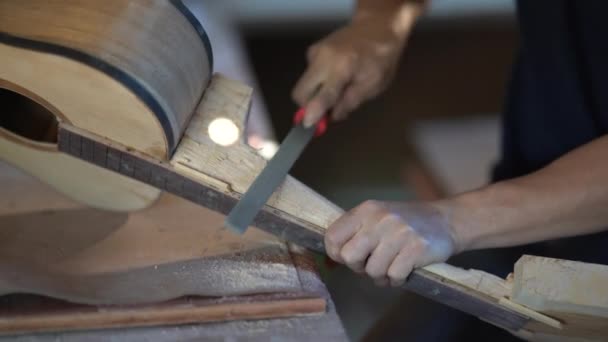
point(388, 240)
point(349, 67)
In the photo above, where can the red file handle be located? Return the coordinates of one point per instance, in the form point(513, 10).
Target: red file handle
point(321, 125)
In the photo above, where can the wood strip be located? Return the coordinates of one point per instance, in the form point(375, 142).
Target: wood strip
point(537, 315)
point(20, 314)
point(462, 298)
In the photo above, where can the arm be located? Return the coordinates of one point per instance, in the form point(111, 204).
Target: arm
point(356, 62)
point(566, 198)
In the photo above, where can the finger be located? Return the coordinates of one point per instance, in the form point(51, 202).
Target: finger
point(355, 252)
point(348, 225)
point(400, 269)
point(353, 96)
point(327, 96)
point(356, 266)
point(341, 231)
point(359, 248)
point(382, 257)
point(308, 83)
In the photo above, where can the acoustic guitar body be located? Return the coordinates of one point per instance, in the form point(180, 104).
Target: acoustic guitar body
point(132, 71)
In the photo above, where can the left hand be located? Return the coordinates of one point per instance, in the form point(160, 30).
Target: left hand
point(387, 240)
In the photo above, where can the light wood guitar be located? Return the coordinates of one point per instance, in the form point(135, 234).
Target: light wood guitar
point(128, 70)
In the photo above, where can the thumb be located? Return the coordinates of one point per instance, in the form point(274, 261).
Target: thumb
point(315, 110)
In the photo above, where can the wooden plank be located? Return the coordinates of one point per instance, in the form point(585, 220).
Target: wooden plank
point(306, 327)
point(23, 314)
point(561, 285)
point(218, 175)
point(572, 292)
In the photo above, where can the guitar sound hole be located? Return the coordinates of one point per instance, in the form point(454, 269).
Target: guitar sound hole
point(26, 118)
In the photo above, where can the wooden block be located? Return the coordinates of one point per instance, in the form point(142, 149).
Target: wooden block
point(574, 293)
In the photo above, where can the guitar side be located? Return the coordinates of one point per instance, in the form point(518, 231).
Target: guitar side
point(111, 67)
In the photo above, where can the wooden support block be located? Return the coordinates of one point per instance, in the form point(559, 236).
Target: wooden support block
point(574, 293)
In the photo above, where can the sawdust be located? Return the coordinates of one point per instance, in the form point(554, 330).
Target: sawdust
point(264, 271)
point(174, 249)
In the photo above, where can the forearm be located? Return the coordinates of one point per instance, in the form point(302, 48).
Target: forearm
point(568, 197)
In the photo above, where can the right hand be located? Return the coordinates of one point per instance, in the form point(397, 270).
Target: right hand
point(388, 240)
point(348, 67)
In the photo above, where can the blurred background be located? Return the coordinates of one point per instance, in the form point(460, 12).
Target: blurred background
point(433, 133)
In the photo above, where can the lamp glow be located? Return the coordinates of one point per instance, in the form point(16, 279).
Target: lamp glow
point(223, 131)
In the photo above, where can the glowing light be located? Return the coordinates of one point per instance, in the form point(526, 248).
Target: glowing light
point(223, 131)
point(269, 149)
point(266, 148)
